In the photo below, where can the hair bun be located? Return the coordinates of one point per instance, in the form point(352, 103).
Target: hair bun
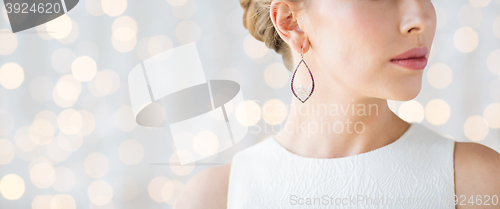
point(257, 20)
point(249, 16)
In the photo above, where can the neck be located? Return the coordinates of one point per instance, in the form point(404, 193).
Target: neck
point(334, 123)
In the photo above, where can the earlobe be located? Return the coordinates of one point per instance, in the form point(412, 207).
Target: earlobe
point(304, 45)
point(300, 44)
point(307, 45)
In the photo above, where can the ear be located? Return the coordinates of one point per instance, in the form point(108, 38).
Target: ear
point(284, 19)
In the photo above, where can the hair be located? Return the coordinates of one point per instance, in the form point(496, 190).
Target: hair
point(257, 20)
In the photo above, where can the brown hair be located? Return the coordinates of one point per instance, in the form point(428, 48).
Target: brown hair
point(257, 20)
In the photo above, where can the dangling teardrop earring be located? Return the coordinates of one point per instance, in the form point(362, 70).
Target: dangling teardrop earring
point(301, 93)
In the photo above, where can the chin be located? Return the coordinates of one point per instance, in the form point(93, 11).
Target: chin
point(404, 91)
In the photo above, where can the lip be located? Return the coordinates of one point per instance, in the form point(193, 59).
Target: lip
point(413, 59)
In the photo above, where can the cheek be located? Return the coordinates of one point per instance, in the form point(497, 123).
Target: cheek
point(371, 30)
point(352, 39)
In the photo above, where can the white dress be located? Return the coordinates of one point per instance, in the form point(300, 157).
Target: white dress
point(415, 171)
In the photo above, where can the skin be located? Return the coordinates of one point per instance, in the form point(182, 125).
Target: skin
point(348, 45)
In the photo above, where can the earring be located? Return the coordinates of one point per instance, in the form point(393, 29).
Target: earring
point(301, 93)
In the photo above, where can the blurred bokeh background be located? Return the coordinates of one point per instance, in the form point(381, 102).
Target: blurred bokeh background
point(68, 137)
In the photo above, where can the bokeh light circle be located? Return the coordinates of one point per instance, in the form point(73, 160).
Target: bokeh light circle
point(96, 165)
point(177, 191)
point(107, 82)
point(492, 115)
point(12, 186)
point(479, 3)
point(84, 68)
point(176, 2)
point(114, 8)
point(41, 202)
point(411, 111)
point(7, 152)
point(437, 112)
point(42, 174)
point(70, 121)
point(124, 21)
point(122, 46)
point(187, 31)
point(206, 143)
point(276, 75)
point(248, 113)
point(167, 191)
point(60, 27)
point(124, 34)
point(100, 192)
point(181, 170)
point(55, 152)
point(11, 75)
point(73, 35)
point(62, 201)
point(23, 140)
point(65, 179)
point(158, 44)
point(466, 39)
point(88, 122)
point(274, 112)
point(155, 187)
point(254, 48)
point(496, 27)
point(8, 42)
point(131, 152)
point(476, 128)
point(94, 7)
point(493, 62)
point(184, 11)
point(124, 119)
point(66, 91)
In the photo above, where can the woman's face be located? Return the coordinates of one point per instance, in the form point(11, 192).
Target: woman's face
point(354, 41)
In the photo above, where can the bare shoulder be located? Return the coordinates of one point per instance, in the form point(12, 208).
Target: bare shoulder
point(207, 189)
point(477, 172)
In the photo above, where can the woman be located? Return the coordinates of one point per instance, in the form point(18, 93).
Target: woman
point(360, 53)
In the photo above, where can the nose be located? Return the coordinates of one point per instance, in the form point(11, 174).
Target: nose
point(416, 16)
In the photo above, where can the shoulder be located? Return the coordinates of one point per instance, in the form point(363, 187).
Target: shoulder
point(207, 189)
point(477, 169)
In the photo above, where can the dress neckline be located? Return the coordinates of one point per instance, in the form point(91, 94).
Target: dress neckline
point(405, 135)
